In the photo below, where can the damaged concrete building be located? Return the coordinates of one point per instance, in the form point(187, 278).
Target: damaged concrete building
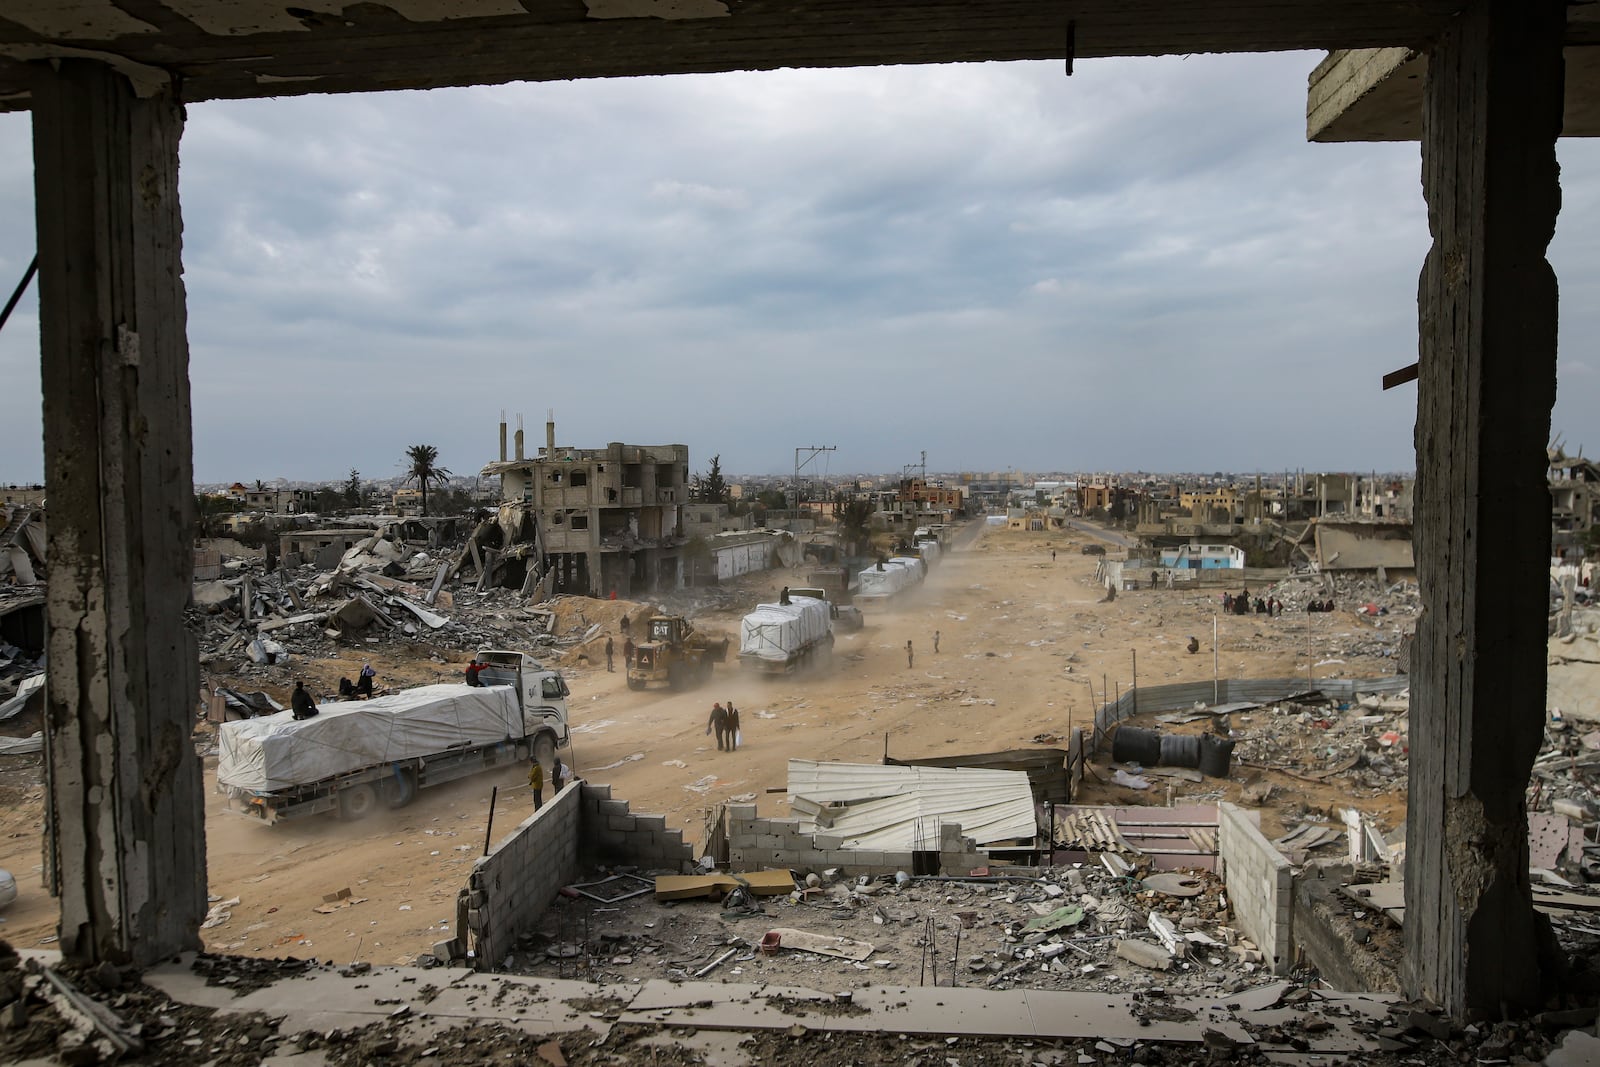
point(593, 521)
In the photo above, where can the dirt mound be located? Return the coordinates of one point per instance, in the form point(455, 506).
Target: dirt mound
point(575, 614)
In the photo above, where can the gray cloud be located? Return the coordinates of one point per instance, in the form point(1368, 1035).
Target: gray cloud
point(1143, 266)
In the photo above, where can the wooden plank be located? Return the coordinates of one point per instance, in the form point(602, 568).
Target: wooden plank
point(1487, 353)
point(125, 807)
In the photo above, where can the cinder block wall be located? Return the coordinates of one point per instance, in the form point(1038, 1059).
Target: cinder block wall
point(1260, 885)
point(510, 888)
point(614, 836)
point(755, 843)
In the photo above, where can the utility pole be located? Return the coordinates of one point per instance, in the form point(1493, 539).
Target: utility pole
point(812, 452)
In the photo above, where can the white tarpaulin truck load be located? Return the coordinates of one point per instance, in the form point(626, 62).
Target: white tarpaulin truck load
point(354, 754)
point(883, 580)
point(930, 550)
point(777, 638)
point(918, 569)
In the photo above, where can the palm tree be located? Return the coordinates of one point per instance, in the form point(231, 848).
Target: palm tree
point(423, 471)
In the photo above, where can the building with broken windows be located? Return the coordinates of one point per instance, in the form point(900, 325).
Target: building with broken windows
point(1574, 501)
point(594, 521)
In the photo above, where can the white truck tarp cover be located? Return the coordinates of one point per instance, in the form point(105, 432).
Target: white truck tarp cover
point(778, 631)
point(914, 564)
point(275, 752)
point(894, 577)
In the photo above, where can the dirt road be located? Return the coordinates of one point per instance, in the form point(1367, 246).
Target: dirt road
point(1022, 638)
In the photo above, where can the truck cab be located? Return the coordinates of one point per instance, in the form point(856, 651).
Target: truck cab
point(541, 692)
point(844, 616)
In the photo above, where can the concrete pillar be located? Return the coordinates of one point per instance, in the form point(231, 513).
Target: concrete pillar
point(125, 800)
point(1487, 302)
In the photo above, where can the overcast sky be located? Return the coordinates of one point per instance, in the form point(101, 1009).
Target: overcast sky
point(1144, 266)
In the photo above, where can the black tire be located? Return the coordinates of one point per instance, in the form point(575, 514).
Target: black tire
point(399, 789)
point(544, 751)
point(635, 683)
point(357, 802)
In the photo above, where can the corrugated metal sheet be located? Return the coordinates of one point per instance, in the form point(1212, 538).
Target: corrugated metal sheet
point(902, 808)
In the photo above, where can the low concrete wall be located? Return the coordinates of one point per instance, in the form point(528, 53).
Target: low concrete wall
point(613, 836)
point(510, 888)
point(755, 843)
point(582, 827)
point(1260, 885)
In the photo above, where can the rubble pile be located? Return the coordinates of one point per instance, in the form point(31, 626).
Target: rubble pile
point(384, 591)
point(1566, 794)
point(1350, 591)
point(1079, 927)
point(1365, 744)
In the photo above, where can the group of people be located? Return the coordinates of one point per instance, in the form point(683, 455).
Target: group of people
point(725, 721)
point(1243, 605)
point(361, 688)
point(303, 707)
point(1320, 605)
point(558, 778)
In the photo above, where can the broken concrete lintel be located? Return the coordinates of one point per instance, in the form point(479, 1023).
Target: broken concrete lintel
point(269, 625)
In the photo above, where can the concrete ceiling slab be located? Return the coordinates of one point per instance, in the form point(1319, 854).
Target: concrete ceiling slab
point(231, 49)
point(1375, 94)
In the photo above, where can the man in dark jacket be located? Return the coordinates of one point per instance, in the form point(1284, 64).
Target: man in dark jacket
point(301, 702)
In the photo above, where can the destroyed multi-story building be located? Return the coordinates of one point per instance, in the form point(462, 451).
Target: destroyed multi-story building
point(594, 521)
point(1574, 500)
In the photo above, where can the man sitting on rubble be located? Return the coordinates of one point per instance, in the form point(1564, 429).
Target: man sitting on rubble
point(301, 702)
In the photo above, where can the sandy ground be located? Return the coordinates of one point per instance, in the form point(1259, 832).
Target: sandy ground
point(1021, 638)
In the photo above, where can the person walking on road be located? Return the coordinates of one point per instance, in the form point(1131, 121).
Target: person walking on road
point(558, 777)
point(733, 727)
point(627, 651)
point(909, 655)
point(936, 642)
point(611, 651)
point(536, 783)
point(718, 722)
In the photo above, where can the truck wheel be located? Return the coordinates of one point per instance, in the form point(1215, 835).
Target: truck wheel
point(544, 751)
point(635, 683)
point(357, 802)
point(400, 788)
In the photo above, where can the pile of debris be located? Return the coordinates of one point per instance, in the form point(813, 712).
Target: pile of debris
point(385, 590)
point(1364, 744)
point(1081, 927)
point(22, 546)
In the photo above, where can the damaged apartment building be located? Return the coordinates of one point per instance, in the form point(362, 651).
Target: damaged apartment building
point(592, 521)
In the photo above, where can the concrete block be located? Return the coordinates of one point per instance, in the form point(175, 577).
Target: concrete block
point(800, 842)
point(784, 826)
point(741, 841)
point(828, 842)
point(621, 822)
point(596, 792)
point(769, 841)
point(612, 807)
point(652, 822)
point(867, 859)
point(737, 812)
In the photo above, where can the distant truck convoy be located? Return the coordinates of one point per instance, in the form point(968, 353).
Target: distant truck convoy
point(355, 755)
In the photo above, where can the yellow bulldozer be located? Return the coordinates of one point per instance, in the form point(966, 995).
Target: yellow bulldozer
point(675, 653)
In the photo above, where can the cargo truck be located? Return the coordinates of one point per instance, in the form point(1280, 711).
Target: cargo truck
point(781, 638)
point(355, 756)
